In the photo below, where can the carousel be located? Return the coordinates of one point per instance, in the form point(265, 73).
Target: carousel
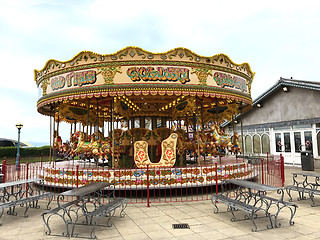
point(134, 109)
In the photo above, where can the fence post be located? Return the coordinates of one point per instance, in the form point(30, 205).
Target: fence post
point(282, 170)
point(268, 167)
point(262, 172)
point(148, 200)
point(41, 158)
point(4, 170)
point(27, 173)
point(77, 175)
point(216, 177)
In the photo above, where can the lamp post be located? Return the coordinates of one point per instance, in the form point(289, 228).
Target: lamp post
point(19, 126)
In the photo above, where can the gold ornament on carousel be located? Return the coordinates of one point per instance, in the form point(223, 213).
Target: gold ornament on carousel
point(109, 73)
point(202, 75)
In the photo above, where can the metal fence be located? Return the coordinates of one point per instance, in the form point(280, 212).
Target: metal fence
point(151, 185)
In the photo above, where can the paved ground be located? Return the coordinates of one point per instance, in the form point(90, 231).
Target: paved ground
point(156, 222)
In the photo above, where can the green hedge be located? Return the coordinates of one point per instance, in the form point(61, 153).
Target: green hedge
point(10, 152)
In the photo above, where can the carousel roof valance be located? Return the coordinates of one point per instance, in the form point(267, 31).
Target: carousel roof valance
point(141, 83)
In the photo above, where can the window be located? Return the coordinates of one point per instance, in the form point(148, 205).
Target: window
point(287, 143)
point(256, 144)
point(278, 142)
point(248, 144)
point(137, 122)
point(297, 141)
point(265, 140)
point(148, 123)
point(308, 140)
point(240, 143)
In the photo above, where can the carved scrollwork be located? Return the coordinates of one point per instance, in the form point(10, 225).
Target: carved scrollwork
point(108, 73)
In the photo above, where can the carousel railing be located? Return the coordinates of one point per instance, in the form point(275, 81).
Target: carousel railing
point(153, 185)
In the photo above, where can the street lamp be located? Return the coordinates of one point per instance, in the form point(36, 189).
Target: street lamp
point(19, 126)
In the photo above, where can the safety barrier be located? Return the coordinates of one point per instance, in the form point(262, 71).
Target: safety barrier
point(151, 185)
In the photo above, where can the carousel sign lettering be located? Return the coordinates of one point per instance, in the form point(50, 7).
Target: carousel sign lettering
point(226, 80)
point(73, 79)
point(159, 74)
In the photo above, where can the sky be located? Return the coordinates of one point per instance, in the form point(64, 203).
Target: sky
point(277, 38)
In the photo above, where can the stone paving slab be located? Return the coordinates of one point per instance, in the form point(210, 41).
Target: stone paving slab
point(156, 222)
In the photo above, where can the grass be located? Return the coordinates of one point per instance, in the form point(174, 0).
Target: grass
point(28, 160)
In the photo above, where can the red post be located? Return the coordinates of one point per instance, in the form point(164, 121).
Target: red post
point(77, 175)
point(27, 174)
point(148, 200)
point(262, 172)
point(268, 169)
point(282, 170)
point(4, 170)
point(41, 158)
point(216, 178)
point(27, 177)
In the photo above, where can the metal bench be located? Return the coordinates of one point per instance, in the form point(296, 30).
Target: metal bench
point(303, 186)
point(279, 205)
point(234, 205)
point(62, 211)
point(104, 210)
point(27, 201)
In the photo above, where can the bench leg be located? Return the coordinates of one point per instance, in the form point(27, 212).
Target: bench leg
point(27, 207)
point(12, 211)
point(231, 209)
point(50, 198)
point(289, 194)
point(46, 222)
point(255, 228)
point(292, 208)
point(214, 201)
point(2, 211)
point(301, 196)
point(123, 207)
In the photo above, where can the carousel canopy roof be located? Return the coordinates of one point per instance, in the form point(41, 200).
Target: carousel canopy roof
point(141, 83)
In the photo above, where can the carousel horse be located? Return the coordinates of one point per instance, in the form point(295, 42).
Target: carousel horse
point(235, 144)
point(83, 146)
point(57, 144)
point(222, 140)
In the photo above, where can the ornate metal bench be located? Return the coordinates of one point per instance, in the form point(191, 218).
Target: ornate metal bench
point(105, 210)
point(24, 198)
point(303, 185)
point(279, 205)
point(250, 197)
point(234, 205)
point(63, 211)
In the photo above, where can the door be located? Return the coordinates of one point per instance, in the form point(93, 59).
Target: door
point(291, 143)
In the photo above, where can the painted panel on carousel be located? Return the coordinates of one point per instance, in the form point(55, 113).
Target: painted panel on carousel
point(144, 74)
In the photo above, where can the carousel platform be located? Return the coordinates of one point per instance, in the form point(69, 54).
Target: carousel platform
point(205, 172)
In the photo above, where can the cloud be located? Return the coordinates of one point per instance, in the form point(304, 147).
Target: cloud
point(277, 38)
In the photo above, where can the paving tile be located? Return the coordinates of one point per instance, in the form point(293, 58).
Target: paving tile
point(200, 228)
point(160, 235)
point(213, 235)
point(156, 222)
point(233, 231)
point(147, 228)
point(136, 236)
